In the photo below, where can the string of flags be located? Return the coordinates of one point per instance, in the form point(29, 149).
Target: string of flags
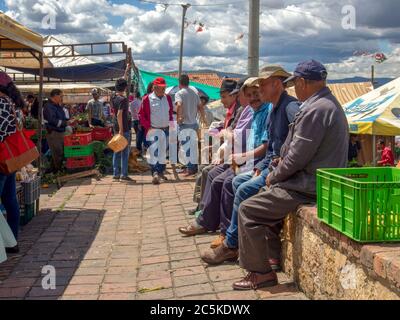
point(379, 56)
point(199, 26)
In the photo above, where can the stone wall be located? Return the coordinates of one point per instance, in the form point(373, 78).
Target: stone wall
point(327, 265)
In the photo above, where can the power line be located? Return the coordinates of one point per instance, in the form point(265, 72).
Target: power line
point(192, 5)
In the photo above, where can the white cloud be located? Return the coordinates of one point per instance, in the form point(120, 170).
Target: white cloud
point(291, 31)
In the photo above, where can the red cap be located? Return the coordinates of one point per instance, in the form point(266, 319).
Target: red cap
point(160, 82)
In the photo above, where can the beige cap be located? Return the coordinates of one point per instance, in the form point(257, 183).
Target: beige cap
point(250, 82)
point(271, 71)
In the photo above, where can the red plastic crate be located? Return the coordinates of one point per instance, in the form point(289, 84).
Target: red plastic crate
point(80, 162)
point(101, 134)
point(77, 139)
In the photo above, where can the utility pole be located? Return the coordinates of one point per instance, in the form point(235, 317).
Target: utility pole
point(254, 38)
point(185, 7)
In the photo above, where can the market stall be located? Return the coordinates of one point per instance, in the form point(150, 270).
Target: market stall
point(21, 47)
point(373, 115)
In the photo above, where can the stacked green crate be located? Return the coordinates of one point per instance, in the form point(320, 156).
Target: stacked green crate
point(79, 151)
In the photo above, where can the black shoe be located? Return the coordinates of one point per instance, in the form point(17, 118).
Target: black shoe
point(13, 249)
point(128, 179)
point(115, 178)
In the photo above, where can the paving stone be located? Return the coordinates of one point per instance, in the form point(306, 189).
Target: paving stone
point(113, 239)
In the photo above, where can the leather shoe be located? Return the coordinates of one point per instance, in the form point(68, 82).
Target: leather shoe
point(192, 230)
point(220, 255)
point(254, 281)
point(218, 241)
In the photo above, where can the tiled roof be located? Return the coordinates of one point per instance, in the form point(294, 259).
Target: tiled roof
point(211, 79)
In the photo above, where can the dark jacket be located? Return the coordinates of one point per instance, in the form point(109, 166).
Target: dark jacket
point(318, 138)
point(278, 127)
point(55, 118)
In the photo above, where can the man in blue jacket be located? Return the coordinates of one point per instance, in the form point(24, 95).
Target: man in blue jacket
point(56, 122)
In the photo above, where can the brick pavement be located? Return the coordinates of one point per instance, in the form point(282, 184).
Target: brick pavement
point(111, 240)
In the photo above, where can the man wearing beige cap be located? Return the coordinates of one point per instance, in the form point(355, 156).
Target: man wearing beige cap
point(249, 183)
point(218, 198)
point(317, 138)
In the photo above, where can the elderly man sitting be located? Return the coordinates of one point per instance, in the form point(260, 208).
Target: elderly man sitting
point(318, 138)
point(218, 196)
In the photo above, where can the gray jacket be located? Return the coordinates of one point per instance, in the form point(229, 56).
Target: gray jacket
point(318, 138)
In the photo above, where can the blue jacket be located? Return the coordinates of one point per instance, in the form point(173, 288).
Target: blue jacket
point(55, 117)
point(278, 127)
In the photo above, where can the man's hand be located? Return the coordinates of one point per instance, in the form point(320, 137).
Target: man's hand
point(216, 162)
point(120, 132)
point(267, 182)
point(239, 158)
point(257, 173)
point(275, 162)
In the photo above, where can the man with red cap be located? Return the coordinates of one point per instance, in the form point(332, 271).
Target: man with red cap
point(156, 113)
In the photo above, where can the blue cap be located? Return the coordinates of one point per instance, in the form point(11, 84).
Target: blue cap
point(309, 70)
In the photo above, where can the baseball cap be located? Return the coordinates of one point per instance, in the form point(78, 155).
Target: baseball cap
point(250, 82)
point(309, 70)
point(239, 85)
point(228, 85)
point(159, 82)
point(95, 91)
point(269, 71)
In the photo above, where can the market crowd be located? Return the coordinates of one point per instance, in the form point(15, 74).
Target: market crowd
point(270, 145)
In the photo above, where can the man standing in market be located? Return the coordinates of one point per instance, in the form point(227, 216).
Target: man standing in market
point(387, 158)
point(56, 122)
point(95, 110)
point(156, 118)
point(188, 106)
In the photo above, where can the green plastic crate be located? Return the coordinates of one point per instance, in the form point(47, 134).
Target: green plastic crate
point(28, 211)
point(362, 203)
point(78, 151)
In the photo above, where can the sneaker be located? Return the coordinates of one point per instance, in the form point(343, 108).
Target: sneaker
point(156, 178)
point(115, 178)
point(162, 176)
point(128, 179)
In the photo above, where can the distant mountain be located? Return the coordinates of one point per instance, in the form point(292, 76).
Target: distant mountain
point(221, 74)
point(378, 81)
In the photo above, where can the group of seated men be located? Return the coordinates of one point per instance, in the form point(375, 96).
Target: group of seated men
point(248, 196)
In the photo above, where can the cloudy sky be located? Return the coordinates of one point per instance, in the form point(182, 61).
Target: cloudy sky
point(291, 31)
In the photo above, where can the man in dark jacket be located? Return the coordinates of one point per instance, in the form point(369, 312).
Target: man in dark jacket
point(318, 138)
point(56, 122)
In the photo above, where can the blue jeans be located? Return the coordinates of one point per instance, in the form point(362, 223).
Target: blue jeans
point(159, 167)
point(244, 187)
point(140, 138)
point(192, 167)
point(8, 193)
point(120, 159)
